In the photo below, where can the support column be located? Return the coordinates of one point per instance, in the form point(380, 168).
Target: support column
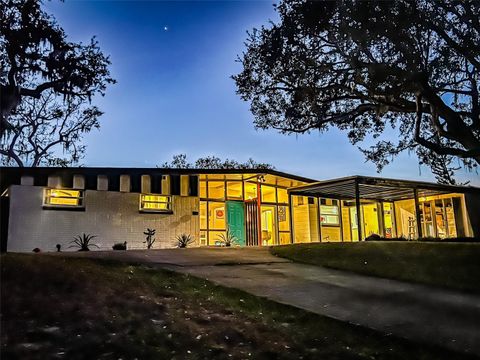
point(417, 213)
point(290, 212)
point(319, 220)
point(259, 213)
point(357, 205)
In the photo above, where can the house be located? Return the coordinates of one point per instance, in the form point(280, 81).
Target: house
point(43, 207)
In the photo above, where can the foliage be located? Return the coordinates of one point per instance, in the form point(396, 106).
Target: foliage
point(445, 263)
point(82, 242)
point(149, 240)
point(45, 125)
point(403, 74)
point(184, 240)
point(227, 239)
point(103, 300)
point(426, 239)
point(180, 161)
point(37, 60)
point(120, 246)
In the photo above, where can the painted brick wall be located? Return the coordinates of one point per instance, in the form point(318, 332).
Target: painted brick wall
point(112, 216)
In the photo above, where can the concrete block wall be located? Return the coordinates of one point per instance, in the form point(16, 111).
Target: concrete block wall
point(112, 216)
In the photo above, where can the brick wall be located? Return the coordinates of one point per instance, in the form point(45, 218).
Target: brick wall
point(112, 216)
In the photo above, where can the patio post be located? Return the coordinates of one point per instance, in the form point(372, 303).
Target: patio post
point(290, 212)
point(357, 205)
point(417, 213)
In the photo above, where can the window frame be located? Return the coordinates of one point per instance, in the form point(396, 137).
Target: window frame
point(169, 203)
point(337, 215)
point(49, 206)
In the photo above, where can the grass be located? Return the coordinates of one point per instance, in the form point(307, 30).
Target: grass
point(451, 265)
point(71, 308)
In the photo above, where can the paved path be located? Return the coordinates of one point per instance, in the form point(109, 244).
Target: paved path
point(416, 312)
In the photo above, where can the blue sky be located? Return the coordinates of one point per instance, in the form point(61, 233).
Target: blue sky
point(175, 95)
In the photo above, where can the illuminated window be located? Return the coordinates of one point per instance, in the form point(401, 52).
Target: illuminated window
point(329, 214)
point(203, 189)
point(268, 194)
point(155, 203)
point(234, 190)
point(63, 198)
point(282, 195)
point(250, 191)
point(216, 190)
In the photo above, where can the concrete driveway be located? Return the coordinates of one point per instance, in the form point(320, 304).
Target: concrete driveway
point(416, 312)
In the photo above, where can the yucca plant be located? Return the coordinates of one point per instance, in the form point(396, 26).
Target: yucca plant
point(184, 240)
point(228, 239)
point(149, 239)
point(82, 242)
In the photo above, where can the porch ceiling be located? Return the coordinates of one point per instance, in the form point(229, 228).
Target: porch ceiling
point(373, 188)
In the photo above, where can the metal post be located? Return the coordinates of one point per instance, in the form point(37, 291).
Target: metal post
point(290, 212)
point(319, 220)
point(259, 213)
point(417, 213)
point(357, 205)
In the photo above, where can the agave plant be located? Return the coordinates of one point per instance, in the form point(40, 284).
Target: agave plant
point(82, 242)
point(149, 239)
point(228, 239)
point(184, 240)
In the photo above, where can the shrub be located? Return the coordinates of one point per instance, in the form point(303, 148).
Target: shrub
point(184, 240)
point(120, 246)
point(82, 242)
point(228, 239)
point(149, 239)
point(426, 239)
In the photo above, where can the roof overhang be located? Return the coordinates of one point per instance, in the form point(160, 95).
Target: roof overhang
point(373, 188)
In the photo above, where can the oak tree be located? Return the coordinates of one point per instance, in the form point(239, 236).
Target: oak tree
point(403, 74)
point(37, 63)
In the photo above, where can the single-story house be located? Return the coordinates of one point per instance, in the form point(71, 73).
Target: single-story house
point(43, 207)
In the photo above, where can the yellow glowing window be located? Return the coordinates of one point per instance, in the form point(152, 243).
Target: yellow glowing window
point(63, 198)
point(329, 214)
point(155, 203)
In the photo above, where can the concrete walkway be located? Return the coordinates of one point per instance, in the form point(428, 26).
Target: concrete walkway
point(420, 313)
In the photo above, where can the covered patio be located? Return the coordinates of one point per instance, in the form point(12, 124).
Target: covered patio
point(384, 207)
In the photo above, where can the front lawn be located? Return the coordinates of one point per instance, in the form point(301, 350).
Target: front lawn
point(453, 265)
point(70, 308)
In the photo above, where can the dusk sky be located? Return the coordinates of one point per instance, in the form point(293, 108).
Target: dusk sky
point(173, 62)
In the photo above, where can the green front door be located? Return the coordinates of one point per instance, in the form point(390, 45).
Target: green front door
point(236, 220)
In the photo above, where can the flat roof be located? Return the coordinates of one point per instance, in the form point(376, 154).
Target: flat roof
point(11, 175)
point(376, 188)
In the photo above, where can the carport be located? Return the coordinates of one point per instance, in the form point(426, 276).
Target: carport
point(356, 189)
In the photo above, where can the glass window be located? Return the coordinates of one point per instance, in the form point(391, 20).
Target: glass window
point(282, 196)
point(155, 203)
point(329, 214)
point(283, 218)
point(203, 238)
point(216, 215)
point(63, 198)
point(203, 189)
point(250, 191)
point(214, 238)
point(268, 194)
point(216, 190)
point(234, 190)
point(203, 215)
